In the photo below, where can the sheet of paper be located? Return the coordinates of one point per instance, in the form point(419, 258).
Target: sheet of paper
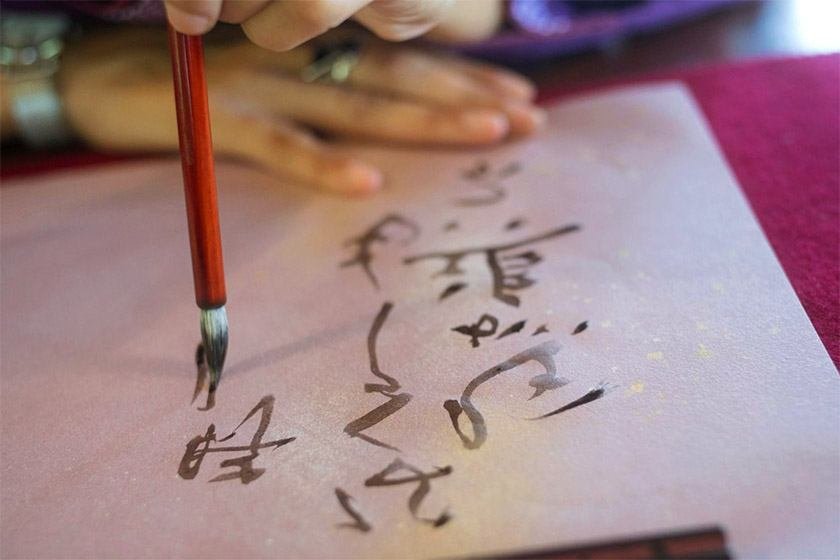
point(609, 268)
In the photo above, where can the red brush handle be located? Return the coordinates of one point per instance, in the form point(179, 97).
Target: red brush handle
point(197, 164)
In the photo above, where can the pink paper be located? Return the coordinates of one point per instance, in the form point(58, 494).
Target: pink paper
point(720, 404)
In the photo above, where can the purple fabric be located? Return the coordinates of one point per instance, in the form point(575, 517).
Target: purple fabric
point(536, 28)
point(543, 28)
point(544, 17)
point(122, 10)
point(141, 11)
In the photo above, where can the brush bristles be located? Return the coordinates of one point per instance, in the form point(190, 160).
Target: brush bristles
point(214, 335)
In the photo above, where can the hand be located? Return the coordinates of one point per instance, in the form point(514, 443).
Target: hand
point(284, 24)
point(117, 93)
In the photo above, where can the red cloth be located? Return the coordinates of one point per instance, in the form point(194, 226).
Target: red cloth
point(778, 123)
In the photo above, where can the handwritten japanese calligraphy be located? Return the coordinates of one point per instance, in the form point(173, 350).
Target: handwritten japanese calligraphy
point(592, 395)
point(542, 353)
point(389, 389)
point(376, 234)
point(508, 271)
point(423, 487)
point(581, 327)
point(359, 523)
point(513, 329)
point(199, 446)
point(487, 325)
point(484, 327)
point(489, 183)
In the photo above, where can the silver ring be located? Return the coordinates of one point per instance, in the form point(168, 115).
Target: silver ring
point(332, 64)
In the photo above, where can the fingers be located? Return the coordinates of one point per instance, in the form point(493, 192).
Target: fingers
point(238, 11)
point(515, 91)
point(358, 113)
point(139, 116)
point(398, 20)
point(500, 80)
point(285, 24)
point(193, 17)
point(287, 150)
point(469, 21)
point(451, 82)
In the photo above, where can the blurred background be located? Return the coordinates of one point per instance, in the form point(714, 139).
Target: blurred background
point(728, 31)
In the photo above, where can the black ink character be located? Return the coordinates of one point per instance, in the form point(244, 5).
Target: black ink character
point(580, 328)
point(548, 381)
point(477, 171)
point(376, 234)
point(359, 523)
point(512, 168)
point(486, 326)
point(199, 446)
point(451, 289)
point(490, 183)
point(419, 494)
point(509, 272)
point(476, 331)
point(593, 394)
point(513, 329)
point(540, 330)
point(389, 389)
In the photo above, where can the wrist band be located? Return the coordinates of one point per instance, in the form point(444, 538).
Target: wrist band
point(30, 47)
point(37, 113)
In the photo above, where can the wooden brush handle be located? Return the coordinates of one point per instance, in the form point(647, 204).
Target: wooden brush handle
point(197, 164)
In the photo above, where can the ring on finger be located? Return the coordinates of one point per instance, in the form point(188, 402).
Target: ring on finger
point(332, 63)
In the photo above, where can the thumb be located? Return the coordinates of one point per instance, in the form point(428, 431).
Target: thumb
point(193, 17)
point(399, 20)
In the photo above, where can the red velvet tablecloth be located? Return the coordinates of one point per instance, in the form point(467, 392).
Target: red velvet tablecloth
point(778, 123)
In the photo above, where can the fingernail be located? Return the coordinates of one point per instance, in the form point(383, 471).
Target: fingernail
point(518, 87)
point(525, 119)
point(485, 126)
point(187, 23)
point(354, 178)
point(362, 179)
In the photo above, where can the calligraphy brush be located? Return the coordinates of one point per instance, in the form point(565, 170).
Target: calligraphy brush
point(196, 145)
